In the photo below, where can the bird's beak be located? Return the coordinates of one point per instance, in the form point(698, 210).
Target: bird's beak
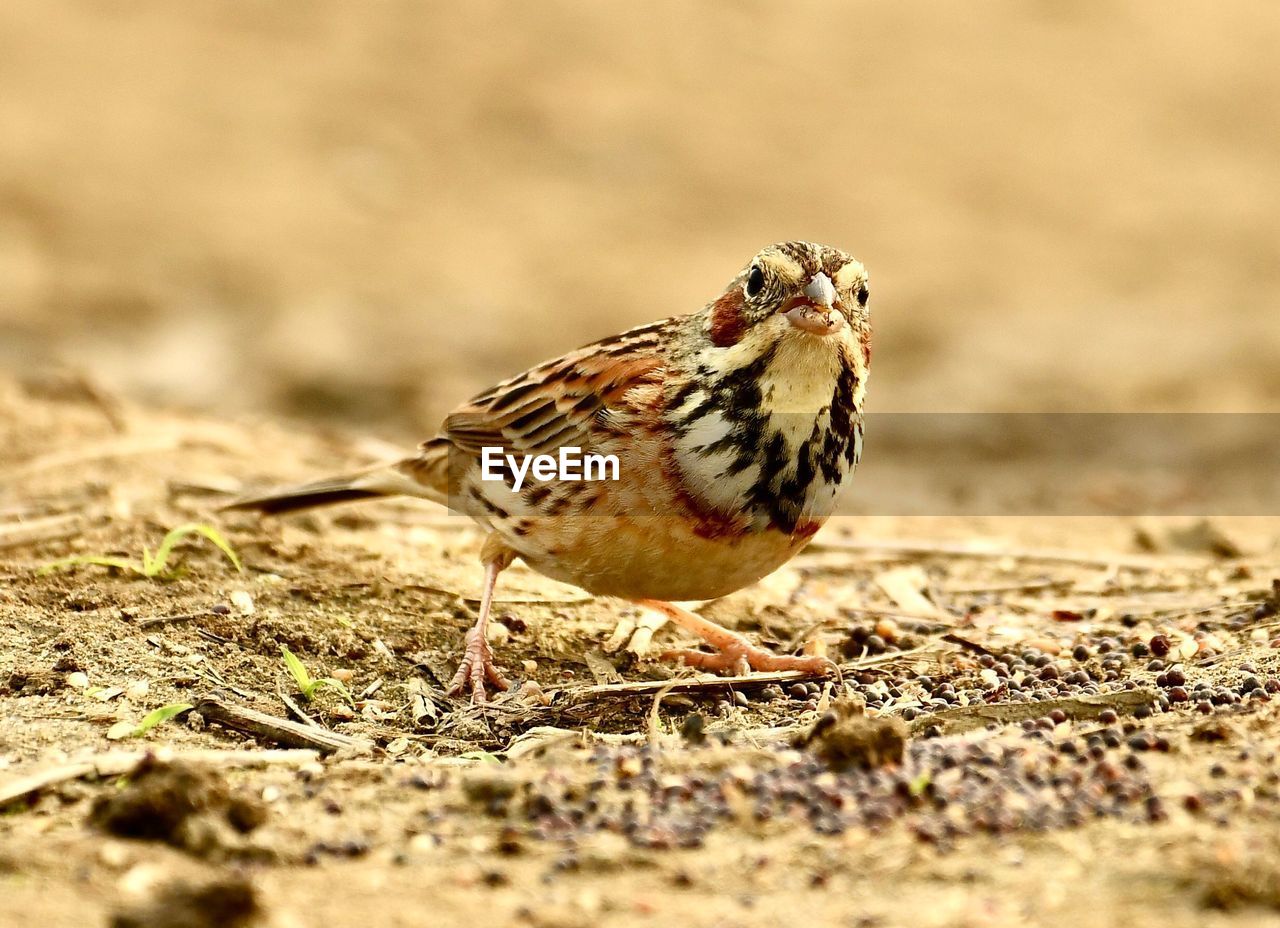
point(815, 312)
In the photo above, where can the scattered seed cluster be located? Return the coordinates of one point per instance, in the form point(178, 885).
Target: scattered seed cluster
point(1052, 771)
point(1103, 664)
point(944, 789)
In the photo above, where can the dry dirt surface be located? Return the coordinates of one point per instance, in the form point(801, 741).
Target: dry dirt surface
point(1035, 717)
point(353, 216)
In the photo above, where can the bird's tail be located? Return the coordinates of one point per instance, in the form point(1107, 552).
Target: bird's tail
point(425, 476)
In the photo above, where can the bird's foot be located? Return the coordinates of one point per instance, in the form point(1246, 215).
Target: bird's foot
point(476, 668)
point(736, 654)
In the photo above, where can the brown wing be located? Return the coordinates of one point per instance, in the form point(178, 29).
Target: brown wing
point(573, 400)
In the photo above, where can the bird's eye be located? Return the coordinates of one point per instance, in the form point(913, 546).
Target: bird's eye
point(755, 281)
point(862, 294)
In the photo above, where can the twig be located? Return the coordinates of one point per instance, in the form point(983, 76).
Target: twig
point(106, 403)
point(940, 618)
point(272, 728)
point(297, 710)
point(690, 684)
point(966, 643)
point(1030, 586)
point(654, 721)
point(106, 450)
point(969, 718)
point(1043, 555)
point(121, 763)
point(155, 621)
point(700, 682)
point(36, 531)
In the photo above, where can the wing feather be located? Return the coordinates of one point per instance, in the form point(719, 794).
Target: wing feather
point(577, 399)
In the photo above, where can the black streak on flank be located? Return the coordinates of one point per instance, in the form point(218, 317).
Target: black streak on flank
point(773, 457)
point(491, 508)
point(794, 490)
point(839, 442)
point(682, 395)
point(536, 494)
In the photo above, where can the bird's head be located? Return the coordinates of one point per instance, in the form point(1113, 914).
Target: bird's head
point(793, 290)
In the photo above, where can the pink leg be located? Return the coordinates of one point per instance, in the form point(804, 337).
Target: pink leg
point(477, 657)
point(734, 652)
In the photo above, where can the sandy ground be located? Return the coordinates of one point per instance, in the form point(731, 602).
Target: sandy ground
point(241, 244)
point(584, 801)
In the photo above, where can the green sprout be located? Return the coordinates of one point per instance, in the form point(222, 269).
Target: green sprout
point(152, 565)
point(129, 730)
point(308, 685)
point(918, 786)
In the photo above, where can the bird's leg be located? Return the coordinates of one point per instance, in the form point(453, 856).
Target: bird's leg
point(477, 664)
point(733, 651)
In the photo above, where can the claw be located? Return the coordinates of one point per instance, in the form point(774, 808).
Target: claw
point(733, 652)
point(741, 657)
point(476, 667)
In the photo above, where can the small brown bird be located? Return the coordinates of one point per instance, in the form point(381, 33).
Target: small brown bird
point(724, 436)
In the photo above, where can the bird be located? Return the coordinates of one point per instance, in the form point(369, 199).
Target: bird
point(724, 437)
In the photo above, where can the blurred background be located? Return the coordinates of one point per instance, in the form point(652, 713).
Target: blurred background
point(362, 213)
